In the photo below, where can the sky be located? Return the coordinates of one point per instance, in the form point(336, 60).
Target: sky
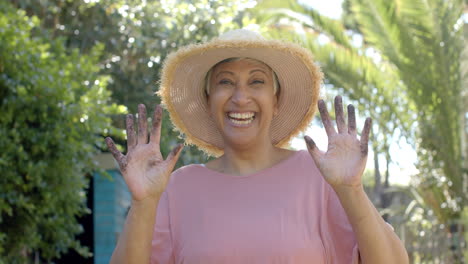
point(330, 8)
point(403, 155)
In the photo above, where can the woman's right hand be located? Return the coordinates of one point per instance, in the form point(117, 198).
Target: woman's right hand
point(143, 168)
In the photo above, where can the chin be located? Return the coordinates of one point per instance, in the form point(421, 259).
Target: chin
point(240, 141)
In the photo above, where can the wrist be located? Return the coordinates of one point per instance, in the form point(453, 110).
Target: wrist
point(356, 204)
point(350, 194)
point(344, 190)
point(148, 201)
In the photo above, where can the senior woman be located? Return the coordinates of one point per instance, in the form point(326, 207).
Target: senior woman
point(241, 98)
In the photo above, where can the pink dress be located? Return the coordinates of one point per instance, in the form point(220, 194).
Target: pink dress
point(283, 214)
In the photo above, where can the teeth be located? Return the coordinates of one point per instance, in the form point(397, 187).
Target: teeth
point(242, 115)
point(243, 122)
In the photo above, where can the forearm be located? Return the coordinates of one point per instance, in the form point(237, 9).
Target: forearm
point(376, 240)
point(134, 245)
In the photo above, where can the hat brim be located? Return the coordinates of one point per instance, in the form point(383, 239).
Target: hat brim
point(182, 88)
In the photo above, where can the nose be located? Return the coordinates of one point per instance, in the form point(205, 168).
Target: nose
point(241, 95)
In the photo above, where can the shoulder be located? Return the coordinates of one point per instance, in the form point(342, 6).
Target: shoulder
point(302, 160)
point(185, 171)
point(304, 154)
point(186, 176)
point(300, 166)
point(305, 164)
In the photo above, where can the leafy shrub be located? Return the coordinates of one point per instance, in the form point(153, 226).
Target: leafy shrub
point(53, 107)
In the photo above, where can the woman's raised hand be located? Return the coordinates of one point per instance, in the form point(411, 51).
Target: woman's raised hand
point(143, 167)
point(345, 160)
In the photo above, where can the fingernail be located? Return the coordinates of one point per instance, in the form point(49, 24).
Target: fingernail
point(309, 142)
point(321, 104)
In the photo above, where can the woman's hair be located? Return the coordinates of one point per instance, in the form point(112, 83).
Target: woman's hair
point(276, 85)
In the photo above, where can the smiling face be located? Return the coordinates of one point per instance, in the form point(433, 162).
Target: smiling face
point(242, 101)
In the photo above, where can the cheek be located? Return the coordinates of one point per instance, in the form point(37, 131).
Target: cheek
point(270, 101)
point(215, 103)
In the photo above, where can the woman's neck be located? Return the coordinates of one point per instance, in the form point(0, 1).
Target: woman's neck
point(247, 161)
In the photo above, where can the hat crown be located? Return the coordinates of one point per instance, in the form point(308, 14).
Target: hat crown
point(241, 34)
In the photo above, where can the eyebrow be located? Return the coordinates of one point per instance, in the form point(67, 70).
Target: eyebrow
point(231, 73)
point(260, 70)
point(228, 72)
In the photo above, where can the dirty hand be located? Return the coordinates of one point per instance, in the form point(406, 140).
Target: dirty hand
point(345, 159)
point(143, 168)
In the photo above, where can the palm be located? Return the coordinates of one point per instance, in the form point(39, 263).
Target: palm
point(142, 172)
point(344, 161)
point(145, 171)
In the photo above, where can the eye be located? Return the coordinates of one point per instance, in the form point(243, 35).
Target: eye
point(225, 82)
point(258, 81)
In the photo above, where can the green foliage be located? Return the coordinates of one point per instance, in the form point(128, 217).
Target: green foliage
point(426, 238)
point(54, 106)
point(137, 36)
point(423, 40)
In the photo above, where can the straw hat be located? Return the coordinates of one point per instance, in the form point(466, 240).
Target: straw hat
point(182, 88)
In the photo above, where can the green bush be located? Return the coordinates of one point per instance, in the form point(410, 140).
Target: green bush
point(53, 108)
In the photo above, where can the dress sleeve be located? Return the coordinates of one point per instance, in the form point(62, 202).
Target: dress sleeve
point(339, 238)
point(161, 245)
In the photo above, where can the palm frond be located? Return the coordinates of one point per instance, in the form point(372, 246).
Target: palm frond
point(275, 10)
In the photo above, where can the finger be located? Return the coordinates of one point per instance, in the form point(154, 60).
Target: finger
point(340, 122)
point(174, 156)
point(118, 156)
point(142, 125)
point(327, 123)
point(365, 136)
point(131, 137)
point(313, 149)
point(351, 120)
point(156, 126)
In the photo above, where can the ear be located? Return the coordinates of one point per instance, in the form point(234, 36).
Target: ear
point(208, 103)
point(275, 105)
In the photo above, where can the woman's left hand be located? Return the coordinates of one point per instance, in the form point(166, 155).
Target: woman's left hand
point(345, 160)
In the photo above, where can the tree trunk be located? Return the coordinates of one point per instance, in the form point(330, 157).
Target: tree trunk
point(377, 180)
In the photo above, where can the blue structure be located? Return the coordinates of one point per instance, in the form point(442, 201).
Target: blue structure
point(110, 207)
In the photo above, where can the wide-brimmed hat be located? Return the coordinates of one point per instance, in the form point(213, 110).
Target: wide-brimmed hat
point(182, 89)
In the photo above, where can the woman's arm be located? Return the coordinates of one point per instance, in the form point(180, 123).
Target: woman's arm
point(342, 166)
point(376, 240)
point(134, 244)
point(146, 174)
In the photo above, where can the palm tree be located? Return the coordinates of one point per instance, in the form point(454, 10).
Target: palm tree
point(406, 71)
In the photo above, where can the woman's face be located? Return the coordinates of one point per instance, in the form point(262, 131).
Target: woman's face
point(242, 101)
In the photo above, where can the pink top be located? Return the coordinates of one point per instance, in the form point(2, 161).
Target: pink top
point(283, 214)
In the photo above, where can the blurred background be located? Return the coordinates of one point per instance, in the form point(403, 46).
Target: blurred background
point(70, 70)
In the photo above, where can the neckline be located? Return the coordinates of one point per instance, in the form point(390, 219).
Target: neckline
point(262, 171)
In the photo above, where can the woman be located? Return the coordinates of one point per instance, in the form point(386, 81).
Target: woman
point(242, 98)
